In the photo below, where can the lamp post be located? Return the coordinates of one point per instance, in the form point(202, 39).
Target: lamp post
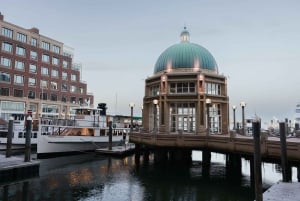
point(131, 105)
point(234, 108)
point(208, 103)
point(155, 102)
point(243, 105)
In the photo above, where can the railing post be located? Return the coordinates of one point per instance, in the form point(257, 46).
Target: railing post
point(257, 161)
point(28, 139)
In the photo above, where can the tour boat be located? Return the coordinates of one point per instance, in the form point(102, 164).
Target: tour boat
point(19, 132)
point(86, 131)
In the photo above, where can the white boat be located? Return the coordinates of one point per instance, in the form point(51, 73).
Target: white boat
point(19, 132)
point(87, 131)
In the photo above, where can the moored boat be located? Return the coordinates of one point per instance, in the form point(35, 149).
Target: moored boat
point(87, 131)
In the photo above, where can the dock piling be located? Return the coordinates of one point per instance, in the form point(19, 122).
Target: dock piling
point(9, 137)
point(284, 163)
point(28, 139)
point(257, 161)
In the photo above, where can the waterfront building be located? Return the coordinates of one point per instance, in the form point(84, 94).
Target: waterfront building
point(37, 75)
point(186, 94)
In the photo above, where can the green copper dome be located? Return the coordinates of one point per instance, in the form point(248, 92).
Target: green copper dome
point(185, 55)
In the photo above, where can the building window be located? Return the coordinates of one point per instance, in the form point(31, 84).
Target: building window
point(33, 55)
point(73, 77)
point(64, 76)
point(44, 84)
point(31, 81)
point(5, 62)
point(7, 32)
point(4, 77)
point(21, 37)
point(212, 88)
point(31, 94)
point(81, 90)
point(53, 85)
point(54, 73)
point(6, 47)
point(34, 42)
point(55, 61)
point(56, 49)
point(64, 87)
point(32, 68)
point(65, 64)
point(45, 45)
point(154, 90)
point(45, 58)
point(18, 93)
point(182, 87)
point(73, 99)
point(19, 65)
point(19, 79)
point(43, 96)
point(53, 97)
point(45, 71)
point(73, 89)
point(63, 99)
point(4, 91)
point(20, 51)
point(182, 117)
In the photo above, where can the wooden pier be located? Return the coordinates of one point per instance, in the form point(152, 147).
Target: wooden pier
point(14, 168)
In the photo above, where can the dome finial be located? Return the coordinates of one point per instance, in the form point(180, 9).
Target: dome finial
point(185, 35)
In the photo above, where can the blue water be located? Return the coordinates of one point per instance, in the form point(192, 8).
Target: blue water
point(93, 177)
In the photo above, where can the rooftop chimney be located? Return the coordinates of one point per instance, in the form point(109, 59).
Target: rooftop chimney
point(1, 17)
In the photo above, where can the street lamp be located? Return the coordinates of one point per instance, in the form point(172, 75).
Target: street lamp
point(155, 102)
point(208, 103)
point(131, 105)
point(243, 105)
point(234, 108)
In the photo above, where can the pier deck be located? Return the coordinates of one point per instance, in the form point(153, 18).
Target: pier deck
point(14, 168)
point(283, 191)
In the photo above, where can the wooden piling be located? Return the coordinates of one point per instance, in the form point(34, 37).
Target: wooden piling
point(9, 137)
point(110, 135)
point(257, 161)
point(27, 156)
point(284, 162)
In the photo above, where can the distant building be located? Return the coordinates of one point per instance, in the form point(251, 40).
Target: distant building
point(37, 75)
point(186, 94)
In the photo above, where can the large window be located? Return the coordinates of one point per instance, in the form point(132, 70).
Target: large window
point(64, 75)
point(19, 79)
point(4, 77)
point(19, 65)
point(182, 87)
point(73, 77)
point(53, 97)
point(73, 89)
point(5, 62)
point(215, 118)
point(7, 32)
point(64, 87)
point(31, 81)
point(18, 93)
point(212, 88)
point(54, 73)
point(32, 68)
point(31, 94)
point(53, 85)
point(65, 64)
point(4, 91)
point(154, 90)
point(55, 61)
point(34, 42)
point(182, 117)
point(44, 84)
point(45, 58)
point(20, 51)
point(7, 47)
point(33, 55)
point(21, 37)
point(45, 71)
point(45, 45)
point(56, 49)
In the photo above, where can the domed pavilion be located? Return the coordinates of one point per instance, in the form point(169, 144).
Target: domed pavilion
point(186, 94)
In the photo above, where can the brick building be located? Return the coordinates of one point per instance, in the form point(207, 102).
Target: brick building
point(37, 74)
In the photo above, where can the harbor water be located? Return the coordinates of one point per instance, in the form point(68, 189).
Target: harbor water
point(93, 177)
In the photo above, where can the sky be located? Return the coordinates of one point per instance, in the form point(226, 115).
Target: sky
point(256, 44)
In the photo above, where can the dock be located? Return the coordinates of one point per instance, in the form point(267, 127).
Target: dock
point(119, 151)
point(283, 191)
point(14, 168)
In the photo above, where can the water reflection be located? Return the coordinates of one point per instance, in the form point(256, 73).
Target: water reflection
point(92, 177)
